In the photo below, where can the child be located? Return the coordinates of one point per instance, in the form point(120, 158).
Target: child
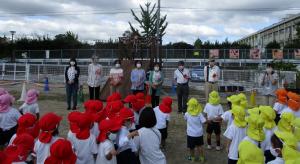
point(27, 123)
point(48, 124)
point(267, 113)
point(8, 119)
point(276, 150)
point(213, 111)
point(293, 104)
point(126, 147)
point(94, 107)
point(281, 103)
point(30, 105)
point(296, 131)
point(84, 143)
point(138, 106)
point(20, 149)
point(115, 77)
point(162, 114)
point(227, 116)
point(285, 122)
point(73, 117)
point(195, 121)
point(250, 146)
point(61, 153)
point(235, 133)
point(106, 150)
point(148, 139)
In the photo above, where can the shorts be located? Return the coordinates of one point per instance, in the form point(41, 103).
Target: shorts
point(6, 135)
point(214, 127)
point(192, 142)
point(231, 161)
point(164, 133)
point(277, 118)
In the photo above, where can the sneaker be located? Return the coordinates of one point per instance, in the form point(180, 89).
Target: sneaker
point(190, 158)
point(218, 148)
point(209, 147)
point(201, 159)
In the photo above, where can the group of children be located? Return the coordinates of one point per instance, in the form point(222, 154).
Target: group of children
point(258, 135)
point(121, 132)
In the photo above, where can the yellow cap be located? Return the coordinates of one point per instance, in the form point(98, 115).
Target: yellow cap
point(243, 100)
point(239, 116)
point(249, 153)
point(290, 155)
point(214, 98)
point(234, 99)
point(253, 111)
point(268, 114)
point(255, 127)
point(242, 96)
point(296, 126)
point(288, 138)
point(194, 107)
point(285, 122)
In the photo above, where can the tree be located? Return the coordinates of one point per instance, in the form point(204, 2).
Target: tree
point(273, 45)
point(198, 44)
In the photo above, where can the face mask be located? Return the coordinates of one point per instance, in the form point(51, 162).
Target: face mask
point(273, 152)
point(128, 124)
point(138, 65)
point(72, 63)
point(156, 68)
point(269, 70)
point(181, 67)
point(112, 137)
point(118, 65)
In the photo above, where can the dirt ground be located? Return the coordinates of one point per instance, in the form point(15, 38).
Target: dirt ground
point(176, 150)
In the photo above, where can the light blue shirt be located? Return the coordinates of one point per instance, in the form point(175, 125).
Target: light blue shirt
point(138, 77)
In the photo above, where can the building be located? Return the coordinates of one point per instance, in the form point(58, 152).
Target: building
point(281, 32)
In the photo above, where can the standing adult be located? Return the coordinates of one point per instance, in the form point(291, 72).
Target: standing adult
point(156, 79)
point(115, 77)
point(72, 73)
point(138, 78)
point(94, 78)
point(182, 77)
point(211, 76)
point(269, 83)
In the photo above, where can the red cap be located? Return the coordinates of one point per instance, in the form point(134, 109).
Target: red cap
point(126, 114)
point(48, 123)
point(73, 118)
point(282, 99)
point(61, 152)
point(294, 105)
point(84, 123)
point(281, 92)
point(167, 101)
point(130, 99)
point(93, 106)
point(116, 123)
point(140, 96)
point(138, 105)
point(27, 123)
point(293, 96)
point(104, 127)
point(116, 106)
point(164, 108)
point(98, 117)
point(114, 97)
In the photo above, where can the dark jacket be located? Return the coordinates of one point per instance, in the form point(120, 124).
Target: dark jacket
point(76, 80)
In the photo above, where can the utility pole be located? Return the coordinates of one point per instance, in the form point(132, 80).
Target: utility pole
point(158, 31)
point(12, 43)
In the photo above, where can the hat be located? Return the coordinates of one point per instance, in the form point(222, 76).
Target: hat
point(98, 117)
point(73, 118)
point(281, 92)
point(5, 102)
point(268, 114)
point(249, 153)
point(293, 96)
point(108, 125)
point(48, 123)
point(140, 96)
point(138, 105)
point(167, 101)
point(296, 125)
point(116, 123)
point(164, 108)
point(194, 107)
point(126, 113)
point(253, 111)
point(27, 123)
point(288, 138)
point(31, 96)
point(282, 99)
point(93, 106)
point(285, 122)
point(234, 99)
point(114, 97)
point(239, 116)
point(293, 105)
point(130, 99)
point(255, 127)
point(21, 147)
point(61, 152)
point(84, 123)
point(214, 98)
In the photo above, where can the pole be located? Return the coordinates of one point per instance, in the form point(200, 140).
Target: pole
point(158, 31)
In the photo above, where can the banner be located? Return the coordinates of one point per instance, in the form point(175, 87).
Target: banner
point(297, 54)
point(234, 53)
point(255, 53)
point(277, 54)
point(214, 53)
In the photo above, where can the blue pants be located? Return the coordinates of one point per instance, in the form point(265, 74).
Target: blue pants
point(72, 90)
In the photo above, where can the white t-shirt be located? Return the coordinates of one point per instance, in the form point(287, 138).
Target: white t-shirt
point(85, 149)
point(227, 117)
point(194, 124)
point(9, 119)
point(215, 70)
point(161, 118)
point(279, 107)
point(213, 111)
point(179, 77)
point(277, 160)
point(104, 149)
point(123, 142)
point(148, 143)
point(42, 150)
point(32, 108)
point(266, 144)
point(94, 75)
point(289, 110)
point(236, 135)
point(95, 130)
point(70, 136)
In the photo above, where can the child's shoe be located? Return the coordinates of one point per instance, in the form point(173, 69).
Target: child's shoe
point(190, 158)
point(218, 148)
point(209, 147)
point(201, 159)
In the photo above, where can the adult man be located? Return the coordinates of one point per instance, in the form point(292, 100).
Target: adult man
point(182, 76)
point(211, 76)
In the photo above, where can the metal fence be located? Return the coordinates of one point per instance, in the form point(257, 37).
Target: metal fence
point(55, 73)
point(288, 54)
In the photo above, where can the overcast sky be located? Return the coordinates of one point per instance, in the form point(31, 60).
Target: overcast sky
point(104, 19)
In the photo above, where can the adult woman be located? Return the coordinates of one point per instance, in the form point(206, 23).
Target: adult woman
point(138, 77)
point(72, 73)
point(94, 78)
point(156, 79)
point(269, 83)
point(115, 77)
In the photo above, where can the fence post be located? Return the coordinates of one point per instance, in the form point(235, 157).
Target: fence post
point(38, 74)
point(27, 72)
point(3, 70)
point(15, 67)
